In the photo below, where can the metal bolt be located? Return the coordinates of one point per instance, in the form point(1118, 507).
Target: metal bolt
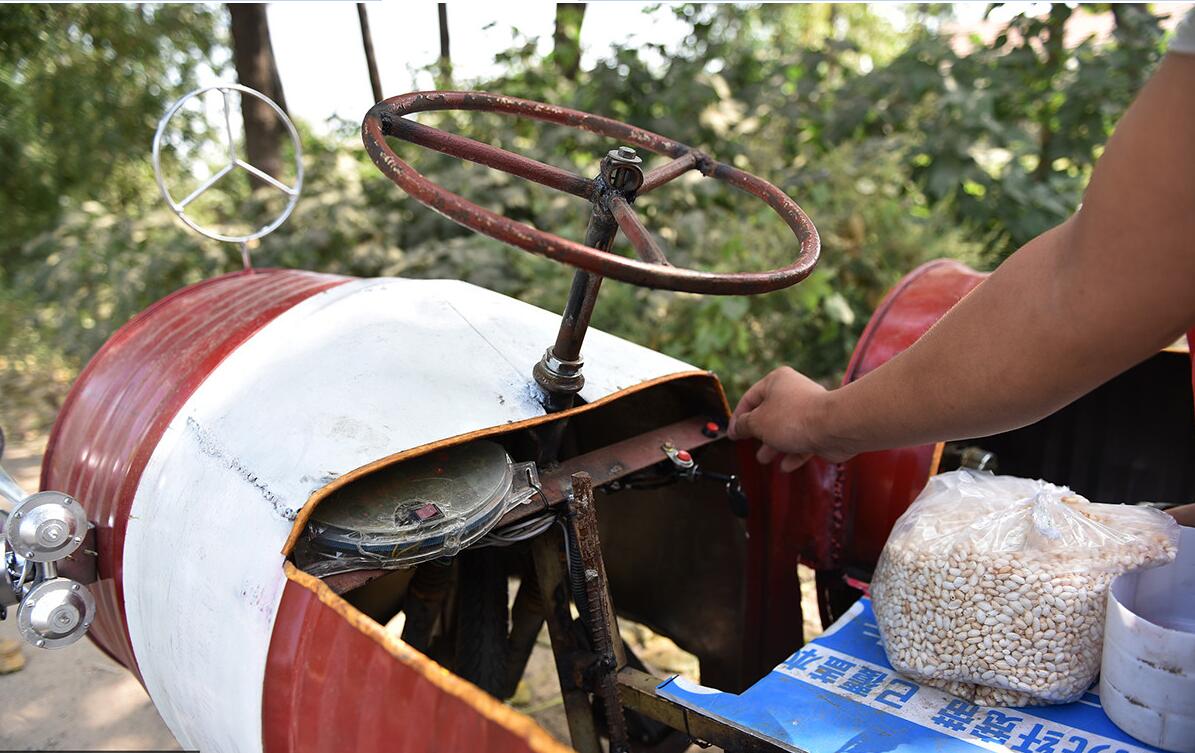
point(75, 587)
point(627, 152)
point(78, 539)
point(41, 643)
point(16, 515)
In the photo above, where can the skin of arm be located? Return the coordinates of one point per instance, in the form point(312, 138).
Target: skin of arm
point(1074, 307)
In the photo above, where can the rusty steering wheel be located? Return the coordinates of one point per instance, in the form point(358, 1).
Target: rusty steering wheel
point(652, 268)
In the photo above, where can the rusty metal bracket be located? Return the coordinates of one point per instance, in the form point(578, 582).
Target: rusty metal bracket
point(547, 551)
point(387, 118)
point(598, 612)
point(613, 462)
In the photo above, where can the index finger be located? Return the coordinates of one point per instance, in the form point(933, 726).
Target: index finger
point(751, 400)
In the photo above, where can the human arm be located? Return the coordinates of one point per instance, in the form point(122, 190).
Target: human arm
point(1065, 313)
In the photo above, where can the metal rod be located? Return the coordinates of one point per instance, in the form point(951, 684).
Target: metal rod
point(599, 612)
point(232, 142)
point(578, 310)
point(491, 156)
point(558, 373)
point(375, 81)
point(267, 178)
point(583, 295)
point(206, 185)
point(641, 240)
point(549, 570)
point(10, 489)
point(445, 49)
point(669, 171)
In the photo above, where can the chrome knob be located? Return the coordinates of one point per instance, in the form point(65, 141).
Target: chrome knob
point(46, 527)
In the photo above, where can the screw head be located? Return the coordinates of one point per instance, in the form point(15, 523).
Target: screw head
point(626, 151)
point(41, 643)
point(75, 587)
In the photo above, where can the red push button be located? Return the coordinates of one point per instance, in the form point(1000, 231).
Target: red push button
point(684, 456)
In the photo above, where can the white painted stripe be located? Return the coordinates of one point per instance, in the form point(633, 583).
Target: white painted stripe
point(350, 375)
point(926, 702)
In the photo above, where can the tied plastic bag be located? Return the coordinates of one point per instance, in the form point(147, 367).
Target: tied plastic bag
point(993, 588)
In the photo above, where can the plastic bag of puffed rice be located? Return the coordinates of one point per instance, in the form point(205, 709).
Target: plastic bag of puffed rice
point(993, 587)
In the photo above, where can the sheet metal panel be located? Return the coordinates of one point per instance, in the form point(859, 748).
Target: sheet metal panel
point(122, 402)
point(338, 681)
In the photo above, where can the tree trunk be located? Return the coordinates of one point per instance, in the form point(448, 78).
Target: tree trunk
point(566, 40)
point(445, 53)
point(1055, 51)
point(375, 81)
point(253, 56)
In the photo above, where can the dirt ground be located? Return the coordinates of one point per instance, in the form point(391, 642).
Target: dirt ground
point(76, 698)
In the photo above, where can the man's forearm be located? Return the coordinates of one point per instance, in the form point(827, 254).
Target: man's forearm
point(988, 366)
point(1070, 310)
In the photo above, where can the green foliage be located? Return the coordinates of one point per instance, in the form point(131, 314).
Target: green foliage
point(1008, 132)
point(901, 146)
point(81, 89)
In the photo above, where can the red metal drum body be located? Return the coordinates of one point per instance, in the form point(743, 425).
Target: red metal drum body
point(122, 402)
point(879, 486)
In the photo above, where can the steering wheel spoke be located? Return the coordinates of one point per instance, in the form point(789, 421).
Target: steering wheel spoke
point(464, 147)
point(669, 171)
point(645, 246)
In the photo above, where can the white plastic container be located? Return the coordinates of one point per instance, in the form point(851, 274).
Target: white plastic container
point(1147, 681)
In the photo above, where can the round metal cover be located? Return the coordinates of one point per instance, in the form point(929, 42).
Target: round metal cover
point(55, 613)
point(46, 526)
point(427, 506)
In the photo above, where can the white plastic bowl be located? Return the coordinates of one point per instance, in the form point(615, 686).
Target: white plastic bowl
point(1147, 682)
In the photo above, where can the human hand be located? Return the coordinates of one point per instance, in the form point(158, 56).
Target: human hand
point(783, 410)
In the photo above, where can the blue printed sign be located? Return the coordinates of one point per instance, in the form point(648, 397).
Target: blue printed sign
point(839, 693)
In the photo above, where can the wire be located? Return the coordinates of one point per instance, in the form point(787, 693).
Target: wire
point(524, 529)
point(516, 532)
